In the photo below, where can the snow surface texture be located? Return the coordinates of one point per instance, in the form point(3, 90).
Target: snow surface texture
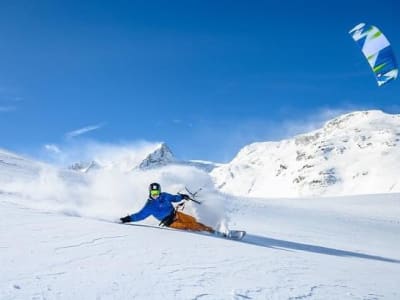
point(343, 248)
point(357, 153)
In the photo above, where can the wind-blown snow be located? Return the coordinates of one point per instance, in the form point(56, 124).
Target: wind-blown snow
point(106, 193)
point(124, 158)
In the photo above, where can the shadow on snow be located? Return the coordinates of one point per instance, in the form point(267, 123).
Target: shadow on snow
point(266, 242)
point(295, 246)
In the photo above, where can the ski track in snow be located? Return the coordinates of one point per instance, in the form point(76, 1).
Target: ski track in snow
point(93, 241)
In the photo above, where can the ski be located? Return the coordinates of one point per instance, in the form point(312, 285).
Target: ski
point(230, 234)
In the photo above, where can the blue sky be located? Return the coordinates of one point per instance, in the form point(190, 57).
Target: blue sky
point(206, 77)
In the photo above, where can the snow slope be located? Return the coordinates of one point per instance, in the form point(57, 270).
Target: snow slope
point(294, 250)
point(356, 153)
point(57, 241)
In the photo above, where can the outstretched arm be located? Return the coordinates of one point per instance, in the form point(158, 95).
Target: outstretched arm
point(141, 214)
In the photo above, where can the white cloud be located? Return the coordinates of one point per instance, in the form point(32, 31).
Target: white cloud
point(52, 148)
point(83, 130)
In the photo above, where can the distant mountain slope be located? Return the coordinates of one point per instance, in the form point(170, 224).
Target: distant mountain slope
point(13, 166)
point(355, 153)
point(151, 157)
point(148, 157)
point(23, 176)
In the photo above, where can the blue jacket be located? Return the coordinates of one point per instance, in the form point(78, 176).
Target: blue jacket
point(160, 207)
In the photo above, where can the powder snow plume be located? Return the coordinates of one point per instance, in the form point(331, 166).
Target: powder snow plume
point(109, 193)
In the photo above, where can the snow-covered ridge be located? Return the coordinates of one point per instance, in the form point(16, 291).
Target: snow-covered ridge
point(146, 157)
point(355, 153)
point(13, 166)
point(151, 157)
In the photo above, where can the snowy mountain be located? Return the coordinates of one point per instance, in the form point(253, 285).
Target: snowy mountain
point(161, 156)
point(150, 157)
point(85, 167)
point(17, 168)
point(356, 153)
point(13, 166)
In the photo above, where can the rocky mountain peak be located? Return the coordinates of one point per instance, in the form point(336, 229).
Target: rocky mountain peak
point(161, 156)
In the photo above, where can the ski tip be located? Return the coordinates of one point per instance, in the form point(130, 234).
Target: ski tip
point(232, 234)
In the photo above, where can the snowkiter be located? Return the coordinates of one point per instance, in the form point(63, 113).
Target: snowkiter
point(159, 205)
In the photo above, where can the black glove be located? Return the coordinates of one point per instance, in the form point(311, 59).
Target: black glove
point(125, 219)
point(185, 197)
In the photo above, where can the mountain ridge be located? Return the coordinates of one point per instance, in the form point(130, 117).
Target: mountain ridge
point(332, 160)
point(354, 153)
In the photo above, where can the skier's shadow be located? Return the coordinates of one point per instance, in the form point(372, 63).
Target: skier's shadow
point(263, 241)
point(294, 246)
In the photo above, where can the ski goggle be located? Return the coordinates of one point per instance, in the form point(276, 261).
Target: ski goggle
point(154, 193)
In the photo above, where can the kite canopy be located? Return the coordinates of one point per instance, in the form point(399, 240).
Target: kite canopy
point(377, 50)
